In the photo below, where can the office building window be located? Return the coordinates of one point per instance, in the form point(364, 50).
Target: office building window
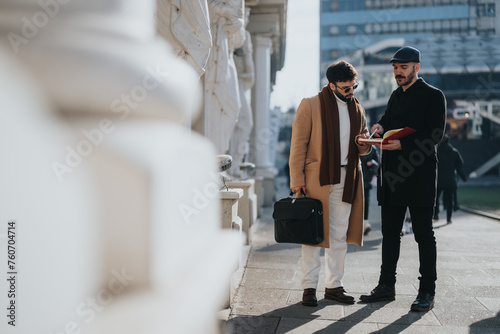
point(403, 26)
point(491, 9)
point(486, 9)
point(334, 54)
point(464, 24)
point(380, 4)
point(334, 6)
point(446, 25)
point(428, 26)
point(437, 25)
point(334, 30)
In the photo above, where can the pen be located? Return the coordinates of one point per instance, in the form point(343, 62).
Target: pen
point(372, 134)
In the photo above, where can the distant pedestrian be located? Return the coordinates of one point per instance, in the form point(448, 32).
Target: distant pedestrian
point(369, 164)
point(449, 163)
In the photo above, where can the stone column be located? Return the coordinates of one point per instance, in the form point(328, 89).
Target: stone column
point(262, 134)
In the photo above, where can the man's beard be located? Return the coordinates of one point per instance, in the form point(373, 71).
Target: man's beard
point(342, 97)
point(408, 80)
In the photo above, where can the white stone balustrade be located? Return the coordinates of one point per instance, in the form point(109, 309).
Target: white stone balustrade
point(259, 193)
point(114, 198)
point(229, 199)
point(247, 205)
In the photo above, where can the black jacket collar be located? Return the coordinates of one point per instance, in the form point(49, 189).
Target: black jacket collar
point(419, 83)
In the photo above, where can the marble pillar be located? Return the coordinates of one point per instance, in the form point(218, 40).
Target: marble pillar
point(262, 134)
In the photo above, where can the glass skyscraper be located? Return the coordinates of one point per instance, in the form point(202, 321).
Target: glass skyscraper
point(347, 26)
point(459, 41)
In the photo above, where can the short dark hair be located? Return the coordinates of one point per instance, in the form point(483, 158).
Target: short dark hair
point(340, 72)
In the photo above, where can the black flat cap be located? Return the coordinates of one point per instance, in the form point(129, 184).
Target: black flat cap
point(406, 54)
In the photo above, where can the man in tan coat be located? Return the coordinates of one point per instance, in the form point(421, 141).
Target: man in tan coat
point(324, 164)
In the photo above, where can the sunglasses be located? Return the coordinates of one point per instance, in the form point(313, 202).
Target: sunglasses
point(346, 89)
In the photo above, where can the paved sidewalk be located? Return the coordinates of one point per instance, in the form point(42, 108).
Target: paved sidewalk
point(467, 297)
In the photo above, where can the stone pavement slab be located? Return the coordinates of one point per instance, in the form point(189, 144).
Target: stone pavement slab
point(467, 296)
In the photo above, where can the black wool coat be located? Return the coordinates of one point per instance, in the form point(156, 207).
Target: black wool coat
point(369, 171)
point(407, 177)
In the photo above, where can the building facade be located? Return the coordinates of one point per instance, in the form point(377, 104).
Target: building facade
point(459, 42)
point(349, 25)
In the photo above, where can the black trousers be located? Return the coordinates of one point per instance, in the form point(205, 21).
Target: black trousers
point(367, 202)
point(448, 194)
point(392, 222)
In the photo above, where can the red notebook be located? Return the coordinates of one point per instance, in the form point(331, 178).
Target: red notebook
point(389, 135)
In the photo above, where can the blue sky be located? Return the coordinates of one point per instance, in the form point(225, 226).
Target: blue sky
point(299, 77)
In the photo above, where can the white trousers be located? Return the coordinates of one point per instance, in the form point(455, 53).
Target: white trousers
point(339, 213)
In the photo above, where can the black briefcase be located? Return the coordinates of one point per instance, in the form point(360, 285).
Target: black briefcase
point(298, 220)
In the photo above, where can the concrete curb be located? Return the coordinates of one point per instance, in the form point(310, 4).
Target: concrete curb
point(480, 213)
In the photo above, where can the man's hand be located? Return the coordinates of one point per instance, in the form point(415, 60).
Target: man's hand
point(363, 135)
point(378, 129)
point(297, 189)
point(393, 145)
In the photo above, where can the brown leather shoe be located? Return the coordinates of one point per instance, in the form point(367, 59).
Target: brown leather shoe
point(309, 297)
point(339, 295)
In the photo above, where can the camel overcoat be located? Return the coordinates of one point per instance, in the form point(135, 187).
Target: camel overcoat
point(305, 162)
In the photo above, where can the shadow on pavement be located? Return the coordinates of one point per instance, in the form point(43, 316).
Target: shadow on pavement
point(402, 323)
point(368, 245)
point(490, 325)
point(276, 246)
point(292, 317)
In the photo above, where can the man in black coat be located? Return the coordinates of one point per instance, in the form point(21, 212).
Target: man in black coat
point(408, 176)
point(449, 163)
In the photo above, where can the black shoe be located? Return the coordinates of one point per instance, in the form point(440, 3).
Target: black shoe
point(448, 221)
point(380, 293)
point(309, 297)
point(339, 295)
point(423, 303)
point(435, 217)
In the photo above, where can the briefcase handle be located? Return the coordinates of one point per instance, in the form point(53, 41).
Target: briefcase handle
point(292, 193)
